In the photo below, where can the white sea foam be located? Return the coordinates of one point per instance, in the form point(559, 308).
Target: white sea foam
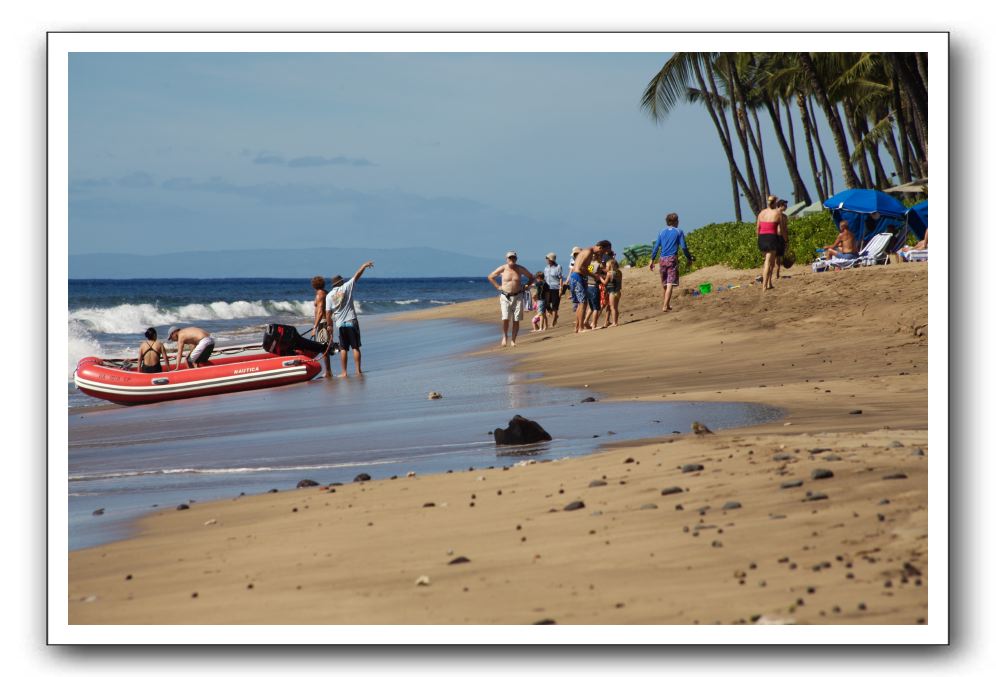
point(132, 318)
point(407, 302)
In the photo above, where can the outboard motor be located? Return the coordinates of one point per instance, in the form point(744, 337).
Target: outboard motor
point(283, 339)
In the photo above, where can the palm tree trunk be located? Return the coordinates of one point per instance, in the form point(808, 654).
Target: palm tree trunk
point(893, 149)
point(799, 191)
point(739, 123)
point(736, 197)
point(800, 101)
point(758, 144)
point(836, 127)
point(719, 121)
point(852, 127)
point(824, 163)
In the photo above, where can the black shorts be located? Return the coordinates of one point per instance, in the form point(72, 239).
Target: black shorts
point(349, 337)
point(771, 243)
point(156, 368)
point(552, 298)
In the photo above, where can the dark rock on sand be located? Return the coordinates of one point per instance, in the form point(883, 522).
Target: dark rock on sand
point(855, 411)
point(700, 428)
point(819, 450)
point(459, 560)
point(362, 477)
point(692, 467)
point(597, 483)
point(521, 431)
point(671, 490)
point(911, 570)
point(731, 505)
point(589, 399)
point(574, 505)
point(98, 512)
point(815, 496)
point(430, 504)
point(782, 457)
point(917, 452)
point(821, 474)
point(832, 457)
point(307, 483)
point(895, 476)
point(791, 484)
point(183, 506)
point(630, 459)
point(546, 621)
point(648, 506)
point(896, 444)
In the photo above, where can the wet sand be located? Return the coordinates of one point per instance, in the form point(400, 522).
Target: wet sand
point(738, 543)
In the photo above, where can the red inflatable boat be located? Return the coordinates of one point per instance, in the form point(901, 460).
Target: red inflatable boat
point(118, 381)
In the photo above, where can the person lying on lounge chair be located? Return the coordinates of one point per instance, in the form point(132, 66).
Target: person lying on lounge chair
point(845, 246)
point(922, 244)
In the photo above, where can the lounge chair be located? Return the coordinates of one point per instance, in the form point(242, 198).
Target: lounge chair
point(874, 252)
point(914, 255)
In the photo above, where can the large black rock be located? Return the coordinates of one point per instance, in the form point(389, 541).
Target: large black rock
point(521, 431)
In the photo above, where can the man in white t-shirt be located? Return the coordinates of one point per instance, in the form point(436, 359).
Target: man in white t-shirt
point(339, 307)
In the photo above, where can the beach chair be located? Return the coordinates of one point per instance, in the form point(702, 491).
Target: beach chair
point(874, 252)
point(914, 255)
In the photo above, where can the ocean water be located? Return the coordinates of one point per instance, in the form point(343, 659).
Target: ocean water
point(129, 461)
point(108, 318)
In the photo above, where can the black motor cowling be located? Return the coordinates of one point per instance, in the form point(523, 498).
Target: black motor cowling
point(283, 339)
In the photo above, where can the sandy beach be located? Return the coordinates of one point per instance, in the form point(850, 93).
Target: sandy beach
point(820, 517)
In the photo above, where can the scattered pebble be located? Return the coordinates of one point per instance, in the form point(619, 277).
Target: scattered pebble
point(821, 474)
point(791, 484)
point(589, 399)
point(423, 580)
point(692, 467)
point(815, 496)
point(210, 522)
point(597, 483)
point(671, 490)
point(307, 483)
point(433, 395)
point(855, 411)
point(459, 560)
point(98, 512)
point(183, 506)
point(648, 506)
point(362, 477)
point(547, 621)
point(896, 444)
point(732, 505)
point(574, 505)
point(782, 457)
point(430, 504)
point(895, 476)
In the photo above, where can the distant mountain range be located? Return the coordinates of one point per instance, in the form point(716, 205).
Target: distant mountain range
point(327, 261)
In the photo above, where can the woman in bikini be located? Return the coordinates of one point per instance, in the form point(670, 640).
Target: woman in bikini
point(149, 353)
point(769, 240)
point(613, 290)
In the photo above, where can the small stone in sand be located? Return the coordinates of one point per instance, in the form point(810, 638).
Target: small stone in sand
point(815, 496)
point(648, 506)
point(895, 476)
point(459, 560)
point(272, 491)
point(362, 477)
point(782, 457)
point(692, 467)
point(574, 505)
point(589, 399)
point(791, 484)
point(597, 483)
point(430, 504)
point(183, 506)
point(917, 452)
point(98, 512)
point(307, 483)
point(896, 444)
point(546, 621)
point(422, 580)
point(433, 395)
point(855, 411)
point(671, 490)
point(821, 474)
point(731, 505)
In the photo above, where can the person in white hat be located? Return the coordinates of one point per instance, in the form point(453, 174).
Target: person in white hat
point(554, 276)
point(510, 294)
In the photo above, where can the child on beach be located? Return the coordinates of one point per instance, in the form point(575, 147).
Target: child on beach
point(613, 290)
point(537, 293)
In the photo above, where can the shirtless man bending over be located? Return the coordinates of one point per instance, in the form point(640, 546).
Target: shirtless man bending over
point(579, 277)
point(845, 246)
point(510, 294)
point(201, 343)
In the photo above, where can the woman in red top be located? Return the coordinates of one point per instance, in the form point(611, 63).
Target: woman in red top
point(769, 241)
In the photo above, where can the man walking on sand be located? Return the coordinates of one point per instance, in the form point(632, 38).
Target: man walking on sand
point(578, 280)
point(554, 276)
point(668, 241)
point(201, 343)
point(510, 294)
point(339, 307)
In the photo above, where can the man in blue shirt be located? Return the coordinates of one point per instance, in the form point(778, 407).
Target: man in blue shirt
point(668, 241)
point(554, 276)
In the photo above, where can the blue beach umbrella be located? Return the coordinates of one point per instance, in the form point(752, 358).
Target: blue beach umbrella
point(868, 212)
point(916, 219)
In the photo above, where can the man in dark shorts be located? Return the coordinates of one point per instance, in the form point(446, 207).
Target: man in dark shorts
point(339, 307)
point(668, 241)
point(554, 276)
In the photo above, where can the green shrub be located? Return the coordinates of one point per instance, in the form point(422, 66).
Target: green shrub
point(734, 244)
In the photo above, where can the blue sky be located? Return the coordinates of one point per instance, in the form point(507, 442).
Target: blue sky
point(473, 153)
